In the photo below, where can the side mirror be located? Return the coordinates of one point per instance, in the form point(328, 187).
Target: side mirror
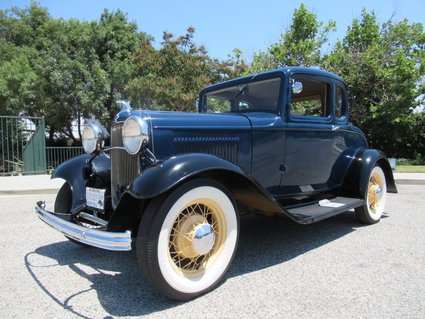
point(297, 87)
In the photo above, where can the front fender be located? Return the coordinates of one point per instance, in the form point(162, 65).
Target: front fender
point(357, 178)
point(76, 172)
point(163, 176)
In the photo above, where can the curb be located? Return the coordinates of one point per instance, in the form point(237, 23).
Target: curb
point(410, 181)
point(29, 185)
point(29, 191)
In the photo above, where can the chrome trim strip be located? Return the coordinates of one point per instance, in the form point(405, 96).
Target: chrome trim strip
point(93, 237)
point(152, 140)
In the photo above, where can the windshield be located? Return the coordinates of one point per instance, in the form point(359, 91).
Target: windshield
point(254, 96)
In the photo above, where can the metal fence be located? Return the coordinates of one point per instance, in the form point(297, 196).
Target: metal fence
point(58, 155)
point(22, 145)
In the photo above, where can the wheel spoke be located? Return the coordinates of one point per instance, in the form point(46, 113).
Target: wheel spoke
point(181, 237)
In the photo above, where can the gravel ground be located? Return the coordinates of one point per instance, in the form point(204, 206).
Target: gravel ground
point(337, 268)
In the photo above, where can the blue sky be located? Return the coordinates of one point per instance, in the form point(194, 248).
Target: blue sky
point(223, 25)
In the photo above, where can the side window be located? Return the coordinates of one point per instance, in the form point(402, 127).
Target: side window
point(218, 105)
point(312, 99)
point(340, 103)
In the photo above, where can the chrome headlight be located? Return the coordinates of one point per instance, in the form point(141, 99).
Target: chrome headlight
point(93, 138)
point(135, 134)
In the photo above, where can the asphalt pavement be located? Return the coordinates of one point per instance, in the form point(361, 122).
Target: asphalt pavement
point(337, 268)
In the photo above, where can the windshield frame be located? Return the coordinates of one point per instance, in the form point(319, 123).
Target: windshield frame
point(242, 83)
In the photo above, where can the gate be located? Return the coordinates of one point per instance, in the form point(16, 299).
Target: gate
point(22, 145)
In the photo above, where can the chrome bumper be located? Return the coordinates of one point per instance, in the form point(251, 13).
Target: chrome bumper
point(93, 237)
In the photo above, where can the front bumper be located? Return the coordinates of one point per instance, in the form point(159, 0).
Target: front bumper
point(92, 237)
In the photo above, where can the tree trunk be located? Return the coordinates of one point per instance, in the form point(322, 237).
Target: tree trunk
point(51, 140)
point(79, 125)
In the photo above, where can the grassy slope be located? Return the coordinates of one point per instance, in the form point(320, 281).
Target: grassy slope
point(410, 169)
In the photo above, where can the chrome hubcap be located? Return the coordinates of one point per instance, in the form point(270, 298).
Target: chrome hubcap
point(375, 192)
point(203, 239)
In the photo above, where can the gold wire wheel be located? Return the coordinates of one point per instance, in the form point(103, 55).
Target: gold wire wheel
point(196, 237)
point(375, 191)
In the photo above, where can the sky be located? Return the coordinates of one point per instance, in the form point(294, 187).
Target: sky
point(222, 25)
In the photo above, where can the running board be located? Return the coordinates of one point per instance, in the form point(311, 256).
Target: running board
point(314, 211)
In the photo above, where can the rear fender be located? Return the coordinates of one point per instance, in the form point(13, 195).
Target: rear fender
point(357, 178)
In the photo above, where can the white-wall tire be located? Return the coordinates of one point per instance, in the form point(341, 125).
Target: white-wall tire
point(375, 197)
point(175, 259)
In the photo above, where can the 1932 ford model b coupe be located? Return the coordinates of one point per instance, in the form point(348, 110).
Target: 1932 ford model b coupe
point(274, 143)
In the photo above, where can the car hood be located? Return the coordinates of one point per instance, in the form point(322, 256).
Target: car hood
point(179, 120)
point(228, 136)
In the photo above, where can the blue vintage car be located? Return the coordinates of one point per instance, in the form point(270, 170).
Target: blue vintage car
point(273, 143)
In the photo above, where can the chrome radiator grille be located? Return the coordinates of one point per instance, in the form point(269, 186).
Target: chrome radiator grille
point(124, 167)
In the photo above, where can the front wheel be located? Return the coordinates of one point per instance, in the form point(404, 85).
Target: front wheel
point(187, 240)
point(375, 198)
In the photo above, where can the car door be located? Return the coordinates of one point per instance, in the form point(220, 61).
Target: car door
point(311, 145)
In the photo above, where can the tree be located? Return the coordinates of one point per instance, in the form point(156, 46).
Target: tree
point(171, 77)
point(17, 81)
point(64, 69)
point(383, 66)
point(301, 44)
point(115, 39)
point(234, 66)
point(72, 82)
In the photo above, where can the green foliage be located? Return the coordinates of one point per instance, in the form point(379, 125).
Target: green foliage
point(17, 81)
point(417, 159)
point(64, 69)
point(234, 66)
point(218, 105)
point(67, 69)
point(383, 66)
point(170, 78)
point(362, 34)
point(300, 45)
point(115, 39)
point(262, 61)
point(72, 81)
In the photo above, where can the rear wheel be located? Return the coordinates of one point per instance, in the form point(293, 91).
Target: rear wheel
point(187, 240)
point(375, 198)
